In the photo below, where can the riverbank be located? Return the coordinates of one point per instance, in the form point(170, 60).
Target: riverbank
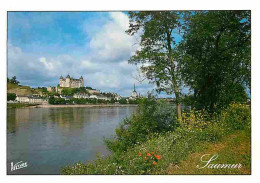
point(87, 105)
point(19, 105)
point(226, 136)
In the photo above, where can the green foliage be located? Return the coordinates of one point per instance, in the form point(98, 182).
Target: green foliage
point(133, 101)
point(11, 96)
point(44, 89)
point(13, 80)
point(68, 91)
point(158, 54)
point(154, 117)
point(72, 91)
point(19, 105)
point(236, 117)
point(215, 57)
point(122, 101)
point(56, 101)
point(112, 101)
point(199, 130)
point(171, 147)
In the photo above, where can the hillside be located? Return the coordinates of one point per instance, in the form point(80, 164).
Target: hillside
point(21, 90)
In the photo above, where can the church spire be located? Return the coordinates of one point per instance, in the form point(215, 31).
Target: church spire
point(134, 87)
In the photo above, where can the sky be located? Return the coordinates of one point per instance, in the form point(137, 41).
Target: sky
point(42, 46)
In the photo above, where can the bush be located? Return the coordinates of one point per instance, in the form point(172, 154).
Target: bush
point(236, 117)
point(11, 96)
point(211, 127)
point(206, 125)
point(153, 117)
point(122, 101)
point(53, 100)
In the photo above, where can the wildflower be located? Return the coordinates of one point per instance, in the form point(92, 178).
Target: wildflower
point(140, 155)
point(148, 154)
point(158, 157)
point(154, 163)
point(152, 152)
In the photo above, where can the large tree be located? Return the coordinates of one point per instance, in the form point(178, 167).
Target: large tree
point(215, 57)
point(157, 49)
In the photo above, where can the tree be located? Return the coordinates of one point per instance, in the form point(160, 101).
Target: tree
point(215, 57)
point(68, 91)
point(157, 49)
point(13, 80)
point(11, 96)
point(122, 101)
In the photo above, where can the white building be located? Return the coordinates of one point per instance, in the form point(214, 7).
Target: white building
point(80, 95)
point(22, 99)
point(103, 97)
point(30, 99)
point(93, 96)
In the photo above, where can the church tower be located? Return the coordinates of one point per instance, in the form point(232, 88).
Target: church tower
point(134, 93)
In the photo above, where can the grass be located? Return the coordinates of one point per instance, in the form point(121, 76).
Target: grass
point(180, 154)
point(227, 135)
point(232, 149)
point(19, 105)
point(21, 90)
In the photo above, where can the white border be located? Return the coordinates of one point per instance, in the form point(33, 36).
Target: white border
point(98, 5)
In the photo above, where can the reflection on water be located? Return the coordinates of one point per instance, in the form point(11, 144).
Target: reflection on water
point(49, 138)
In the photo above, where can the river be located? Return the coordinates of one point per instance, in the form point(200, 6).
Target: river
point(50, 138)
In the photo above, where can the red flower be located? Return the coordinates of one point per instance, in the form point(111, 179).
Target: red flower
point(148, 154)
point(154, 163)
point(140, 155)
point(152, 152)
point(158, 157)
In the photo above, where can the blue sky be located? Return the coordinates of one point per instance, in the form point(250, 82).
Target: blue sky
point(44, 45)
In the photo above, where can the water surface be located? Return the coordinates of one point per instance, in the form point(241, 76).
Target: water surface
point(50, 138)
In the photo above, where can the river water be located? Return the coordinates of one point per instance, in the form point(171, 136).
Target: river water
point(50, 138)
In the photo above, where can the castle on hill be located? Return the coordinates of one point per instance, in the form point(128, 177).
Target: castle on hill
point(70, 82)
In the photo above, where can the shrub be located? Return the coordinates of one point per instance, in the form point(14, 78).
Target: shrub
point(11, 96)
point(236, 117)
point(153, 117)
point(122, 101)
point(207, 126)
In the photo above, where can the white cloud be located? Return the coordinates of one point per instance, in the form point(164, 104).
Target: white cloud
point(48, 65)
point(111, 43)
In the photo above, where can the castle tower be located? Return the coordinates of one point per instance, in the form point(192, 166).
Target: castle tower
point(67, 81)
point(82, 81)
point(61, 81)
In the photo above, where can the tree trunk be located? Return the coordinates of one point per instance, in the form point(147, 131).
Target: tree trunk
point(179, 116)
point(178, 105)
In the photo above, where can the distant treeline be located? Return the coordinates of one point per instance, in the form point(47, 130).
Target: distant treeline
point(57, 101)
